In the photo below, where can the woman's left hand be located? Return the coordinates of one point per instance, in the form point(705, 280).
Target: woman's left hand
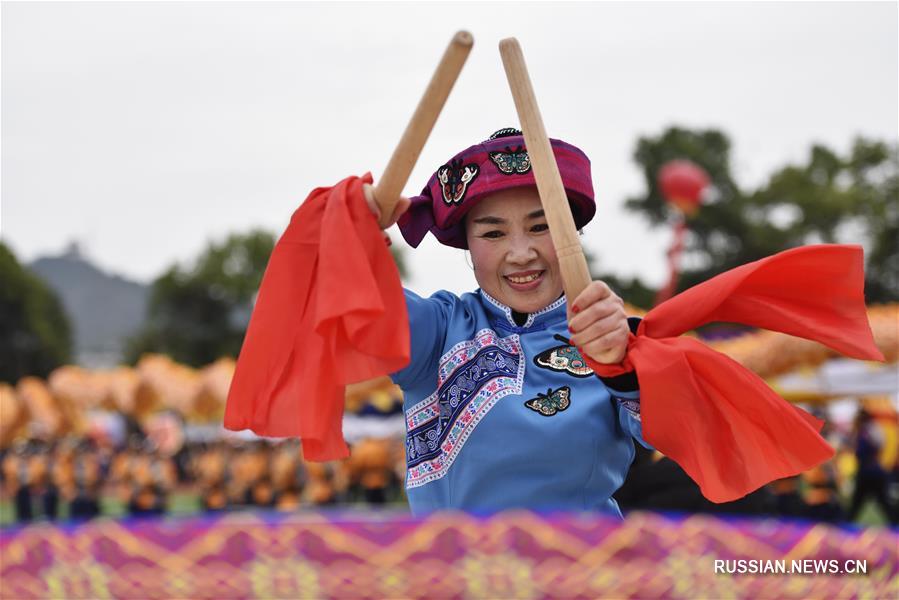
point(598, 324)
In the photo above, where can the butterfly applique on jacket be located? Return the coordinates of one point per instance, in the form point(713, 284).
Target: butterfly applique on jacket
point(564, 358)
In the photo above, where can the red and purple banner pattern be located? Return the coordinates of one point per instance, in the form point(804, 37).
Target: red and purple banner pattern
point(512, 555)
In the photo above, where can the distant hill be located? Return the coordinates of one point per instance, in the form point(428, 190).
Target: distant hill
point(104, 309)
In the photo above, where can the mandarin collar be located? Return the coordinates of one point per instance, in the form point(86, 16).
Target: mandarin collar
point(501, 315)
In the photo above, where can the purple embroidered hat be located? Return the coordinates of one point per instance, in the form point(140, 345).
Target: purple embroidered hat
point(498, 163)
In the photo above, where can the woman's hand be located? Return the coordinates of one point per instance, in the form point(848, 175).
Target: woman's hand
point(598, 324)
point(400, 207)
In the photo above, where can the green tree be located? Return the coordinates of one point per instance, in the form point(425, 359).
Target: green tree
point(35, 335)
point(199, 313)
point(828, 198)
point(834, 199)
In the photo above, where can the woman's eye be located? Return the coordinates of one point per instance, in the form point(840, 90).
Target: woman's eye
point(540, 227)
point(493, 234)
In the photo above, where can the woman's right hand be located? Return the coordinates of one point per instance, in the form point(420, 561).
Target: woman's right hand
point(398, 209)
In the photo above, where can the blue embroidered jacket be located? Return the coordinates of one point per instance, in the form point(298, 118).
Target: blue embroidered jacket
point(500, 416)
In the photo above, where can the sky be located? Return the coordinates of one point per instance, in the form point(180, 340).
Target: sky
point(145, 130)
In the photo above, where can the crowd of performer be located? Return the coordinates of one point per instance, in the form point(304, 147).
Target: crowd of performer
point(81, 478)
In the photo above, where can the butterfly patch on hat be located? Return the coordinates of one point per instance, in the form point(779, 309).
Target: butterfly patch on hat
point(512, 162)
point(551, 402)
point(454, 180)
point(564, 358)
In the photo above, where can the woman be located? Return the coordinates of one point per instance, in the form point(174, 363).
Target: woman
point(502, 410)
point(503, 405)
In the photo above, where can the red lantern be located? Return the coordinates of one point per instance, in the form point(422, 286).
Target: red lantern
point(682, 183)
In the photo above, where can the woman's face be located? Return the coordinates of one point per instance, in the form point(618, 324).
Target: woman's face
point(511, 250)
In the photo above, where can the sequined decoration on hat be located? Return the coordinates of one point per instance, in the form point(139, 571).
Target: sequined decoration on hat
point(504, 132)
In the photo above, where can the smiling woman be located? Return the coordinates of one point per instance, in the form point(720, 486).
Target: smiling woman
point(502, 410)
point(511, 250)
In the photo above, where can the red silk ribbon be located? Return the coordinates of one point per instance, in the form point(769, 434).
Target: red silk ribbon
point(330, 312)
point(719, 421)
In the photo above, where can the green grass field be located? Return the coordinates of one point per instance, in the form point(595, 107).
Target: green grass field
point(187, 503)
point(184, 503)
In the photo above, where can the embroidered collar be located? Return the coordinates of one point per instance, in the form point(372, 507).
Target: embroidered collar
point(502, 314)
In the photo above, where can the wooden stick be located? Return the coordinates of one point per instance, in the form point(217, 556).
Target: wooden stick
point(403, 160)
point(572, 264)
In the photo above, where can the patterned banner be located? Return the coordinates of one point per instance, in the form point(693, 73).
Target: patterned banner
point(513, 555)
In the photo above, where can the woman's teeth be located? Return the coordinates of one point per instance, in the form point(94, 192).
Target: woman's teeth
point(525, 279)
